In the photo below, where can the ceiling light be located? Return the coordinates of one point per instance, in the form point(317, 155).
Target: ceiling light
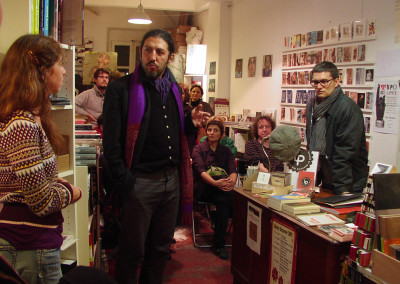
point(140, 17)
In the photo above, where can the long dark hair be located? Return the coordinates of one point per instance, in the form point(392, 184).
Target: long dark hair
point(23, 81)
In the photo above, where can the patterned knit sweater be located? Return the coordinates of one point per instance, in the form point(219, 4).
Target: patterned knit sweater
point(28, 175)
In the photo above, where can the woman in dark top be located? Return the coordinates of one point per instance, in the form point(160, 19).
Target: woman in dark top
point(218, 191)
point(196, 95)
point(254, 154)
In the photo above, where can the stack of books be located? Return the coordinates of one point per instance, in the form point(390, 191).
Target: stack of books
point(85, 156)
point(300, 208)
point(341, 204)
point(276, 201)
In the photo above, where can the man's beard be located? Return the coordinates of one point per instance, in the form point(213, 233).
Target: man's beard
point(154, 74)
point(101, 87)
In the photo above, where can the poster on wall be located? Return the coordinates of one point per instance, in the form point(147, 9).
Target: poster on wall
point(251, 67)
point(238, 68)
point(267, 66)
point(253, 232)
point(213, 68)
point(282, 267)
point(95, 60)
point(387, 106)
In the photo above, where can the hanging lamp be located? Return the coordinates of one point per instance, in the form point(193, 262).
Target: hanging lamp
point(139, 16)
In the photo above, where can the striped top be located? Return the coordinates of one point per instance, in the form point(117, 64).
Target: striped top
point(254, 154)
point(28, 175)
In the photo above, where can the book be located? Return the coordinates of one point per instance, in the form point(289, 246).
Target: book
point(86, 162)
point(83, 127)
point(344, 210)
point(300, 208)
point(276, 201)
point(343, 234)
point(85, 150)
point(340, 200)
point(319, 219)
point(85, 156)
point(305, 180)
point(328, 229)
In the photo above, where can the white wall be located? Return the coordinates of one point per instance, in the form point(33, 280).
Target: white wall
point(263, 32)
point(215, 22)
point(15, 22)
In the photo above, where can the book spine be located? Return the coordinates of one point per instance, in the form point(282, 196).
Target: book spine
point(85, 150)
point(36, 11)
point(41, 16)
point(85, 162)
point(60, 18)
point(80, 156)
point(46, 18)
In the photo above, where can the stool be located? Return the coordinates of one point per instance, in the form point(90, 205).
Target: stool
point(207, 207)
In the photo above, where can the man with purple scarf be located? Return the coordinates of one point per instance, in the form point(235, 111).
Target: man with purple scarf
point(147, 155)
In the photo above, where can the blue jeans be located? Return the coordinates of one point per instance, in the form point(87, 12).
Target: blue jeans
point(41, 266)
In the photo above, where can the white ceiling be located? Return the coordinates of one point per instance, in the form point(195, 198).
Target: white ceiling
point(168, 5)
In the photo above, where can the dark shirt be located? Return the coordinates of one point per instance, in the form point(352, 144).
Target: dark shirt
point(161, 147)
point(203, 157)
point(254, 154)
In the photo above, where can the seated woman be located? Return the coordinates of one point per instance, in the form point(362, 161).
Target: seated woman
point(254, 154)
point(225, 140)
point(218, 191)
point(196, 95)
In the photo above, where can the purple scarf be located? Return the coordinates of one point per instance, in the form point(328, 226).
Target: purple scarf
point(136, 109)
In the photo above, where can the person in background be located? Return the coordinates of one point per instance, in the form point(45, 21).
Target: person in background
point(225, 140)
point(196, 95)
point(90, 102)
point(335, 128)
point(147, 154)
point(254, 154)
point(208, 188)
point(31, 193)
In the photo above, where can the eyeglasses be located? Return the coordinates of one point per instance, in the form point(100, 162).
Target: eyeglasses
point(323, 83)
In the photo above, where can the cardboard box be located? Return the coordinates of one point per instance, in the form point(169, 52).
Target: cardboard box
point(385, 267)
point(63, 163)
point(179, 37)
point(280, 179)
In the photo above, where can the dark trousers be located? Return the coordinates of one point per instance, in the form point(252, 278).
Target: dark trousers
point(149, 217)
point(223, 201)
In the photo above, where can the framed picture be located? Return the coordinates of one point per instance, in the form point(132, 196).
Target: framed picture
point(369, 75)
point(238, 68)
point(251, 67)
point(267, 66)
point(334, 33)
point(327, 35)
point(370, 28)
point(359, 28)
point(211, 85)
point(213, 68)
point(345, 31)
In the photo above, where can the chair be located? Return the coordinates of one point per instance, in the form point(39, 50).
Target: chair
point(196, 234)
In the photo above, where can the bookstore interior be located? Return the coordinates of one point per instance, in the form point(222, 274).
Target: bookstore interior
point(283, 220)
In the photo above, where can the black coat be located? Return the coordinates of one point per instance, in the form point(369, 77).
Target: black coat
point(346, 149)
